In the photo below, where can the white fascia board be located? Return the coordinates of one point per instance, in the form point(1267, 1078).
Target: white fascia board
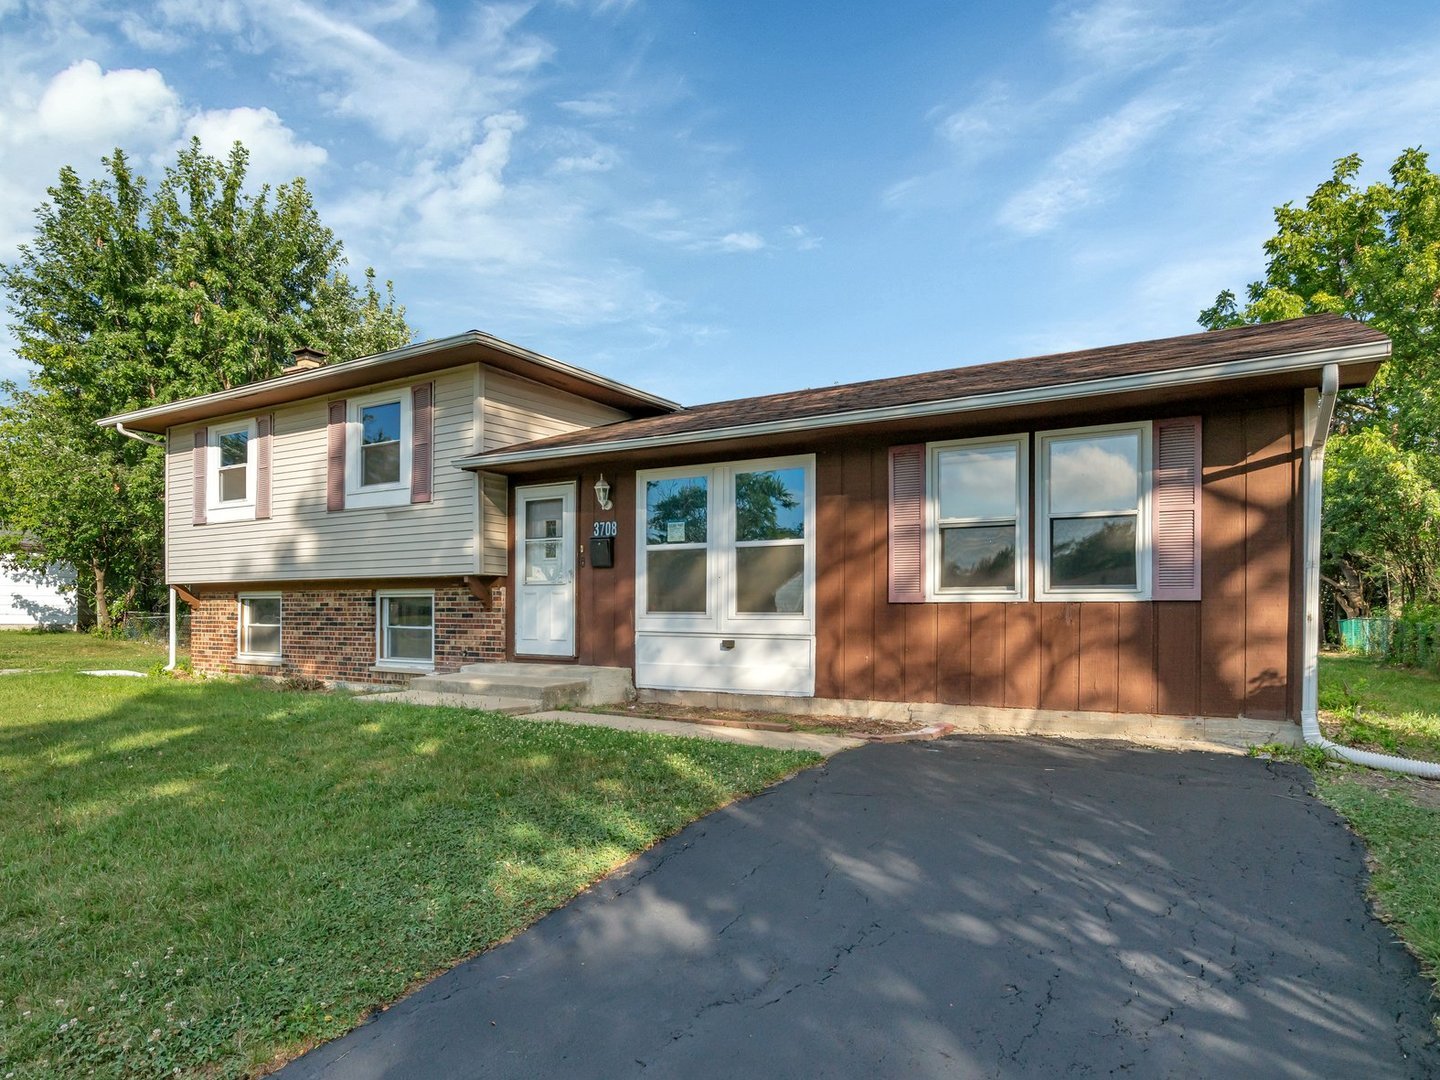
point(301, 379)
point(1347, 354)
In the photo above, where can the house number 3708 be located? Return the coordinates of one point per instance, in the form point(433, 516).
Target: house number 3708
point(602, 530)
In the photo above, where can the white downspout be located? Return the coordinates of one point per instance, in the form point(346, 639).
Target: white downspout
point(173, 635)
point(1319, 408)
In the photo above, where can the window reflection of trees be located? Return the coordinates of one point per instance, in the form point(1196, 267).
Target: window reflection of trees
point(676, 501)
point(759, 499)
point(1093, 551)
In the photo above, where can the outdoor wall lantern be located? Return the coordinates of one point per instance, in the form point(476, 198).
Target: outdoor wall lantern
point(602, 493)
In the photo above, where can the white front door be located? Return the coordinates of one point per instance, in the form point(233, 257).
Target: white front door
point(545, 570)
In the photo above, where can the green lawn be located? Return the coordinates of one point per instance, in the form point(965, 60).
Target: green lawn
point(209, 875)
point(37, 652)
point(1393, 710)
point(1398, 817)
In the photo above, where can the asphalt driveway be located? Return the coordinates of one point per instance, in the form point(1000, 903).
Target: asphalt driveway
point(973, 907)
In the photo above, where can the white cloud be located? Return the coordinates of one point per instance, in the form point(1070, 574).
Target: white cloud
point(1132, 34)
point(801, 237)
point(79, 115)
point(83, 104)
point(599, 106)
point(277, 155)
point(405, 83)
point(740, 242)
point(1074, 178)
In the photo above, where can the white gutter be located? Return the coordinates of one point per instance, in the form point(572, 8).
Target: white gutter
point(1287, 362)
point(148, 440)
point(1319, 408)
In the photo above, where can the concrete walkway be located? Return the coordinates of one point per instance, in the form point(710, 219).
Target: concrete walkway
point(775, 740)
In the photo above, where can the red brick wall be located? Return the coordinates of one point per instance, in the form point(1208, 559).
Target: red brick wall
point(330, 634)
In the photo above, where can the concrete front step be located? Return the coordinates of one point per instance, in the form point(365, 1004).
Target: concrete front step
point(545, 686)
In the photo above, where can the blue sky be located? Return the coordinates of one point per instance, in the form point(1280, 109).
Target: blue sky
point(715, 199)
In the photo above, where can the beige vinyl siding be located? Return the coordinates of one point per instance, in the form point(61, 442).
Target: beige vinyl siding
point(517, 410)
point(302, 540)
point(494, 518)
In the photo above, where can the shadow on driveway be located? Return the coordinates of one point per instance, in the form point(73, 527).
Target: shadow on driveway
point(977, 907)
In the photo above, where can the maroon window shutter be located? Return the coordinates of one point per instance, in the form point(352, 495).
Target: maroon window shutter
point(199, 464)
point(422, 428)
point(335, 474)
point(1175, 509)
point(264, 429)
point(907, 524)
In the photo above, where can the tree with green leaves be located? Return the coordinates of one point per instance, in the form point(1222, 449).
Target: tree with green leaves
point(1369, 252)
point(127, 297)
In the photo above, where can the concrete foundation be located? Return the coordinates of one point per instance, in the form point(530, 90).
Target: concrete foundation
point(1234, 732)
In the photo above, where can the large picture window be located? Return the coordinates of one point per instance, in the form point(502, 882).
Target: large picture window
point(728, 547)
point(259, 630)
point(406, 629)
point(978, 535)
point(1093, 530)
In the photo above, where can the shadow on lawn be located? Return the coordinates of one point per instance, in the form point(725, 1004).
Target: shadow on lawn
point(303, 857)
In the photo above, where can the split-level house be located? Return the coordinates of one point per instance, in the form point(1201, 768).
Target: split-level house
point(1118, 533)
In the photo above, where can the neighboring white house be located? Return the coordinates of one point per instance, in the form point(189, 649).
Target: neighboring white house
point(32, 598)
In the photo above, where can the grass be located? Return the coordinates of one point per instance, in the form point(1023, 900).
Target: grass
point(1398, 817)
point(209, 876)
point(1373, 707)
point(41, 651)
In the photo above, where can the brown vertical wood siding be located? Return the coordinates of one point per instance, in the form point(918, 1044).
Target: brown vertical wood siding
point(1229, 654)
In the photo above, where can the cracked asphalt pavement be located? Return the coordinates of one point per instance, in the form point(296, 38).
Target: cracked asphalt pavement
point(974, 907)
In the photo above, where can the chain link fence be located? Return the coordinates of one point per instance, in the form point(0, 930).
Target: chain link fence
point(138, 626)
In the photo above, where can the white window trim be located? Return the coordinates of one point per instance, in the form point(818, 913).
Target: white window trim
point(236, 509)
point(722, 597)
point(241, 653)
point(964, 594)
point(394, 494)
point(1143, 554)
point(384, 663)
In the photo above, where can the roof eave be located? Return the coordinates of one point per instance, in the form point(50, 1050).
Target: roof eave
point(1178, 377)
point(299, 385)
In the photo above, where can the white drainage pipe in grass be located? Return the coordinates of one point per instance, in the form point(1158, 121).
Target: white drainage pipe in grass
point(1319, 408)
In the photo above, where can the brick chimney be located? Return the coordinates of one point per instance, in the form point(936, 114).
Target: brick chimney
point(306, 359)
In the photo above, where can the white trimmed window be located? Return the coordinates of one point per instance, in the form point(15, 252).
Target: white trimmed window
point(727, 547)
point(379, 446)
point(230, 483)
point(405, 623)
point(978, 534)
point(258, 634)
point(1093, 513)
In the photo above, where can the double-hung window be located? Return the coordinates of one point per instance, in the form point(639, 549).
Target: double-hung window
point(770, 526)
point(677, 544)
point(379, 442)
point(406, 629)
point(1093, 533)
point(978, 537)
point(230, 486)
point(259, 629)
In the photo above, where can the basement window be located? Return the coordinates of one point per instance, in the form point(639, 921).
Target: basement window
point(406, 626)
point(259, 629)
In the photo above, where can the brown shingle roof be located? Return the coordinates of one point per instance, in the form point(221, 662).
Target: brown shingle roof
point(1290, 337)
